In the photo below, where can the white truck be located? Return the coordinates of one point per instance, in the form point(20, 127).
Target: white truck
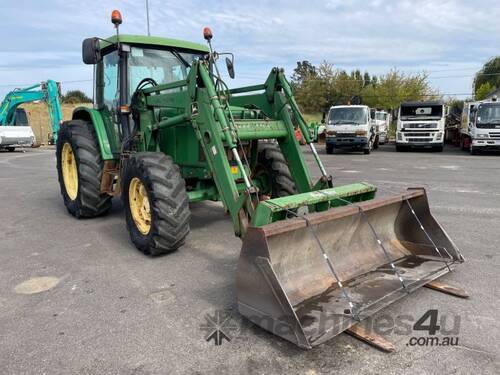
point(18, 135)
point(480, 129)
point(350, 127)
point(382, 121)
point(421, 125)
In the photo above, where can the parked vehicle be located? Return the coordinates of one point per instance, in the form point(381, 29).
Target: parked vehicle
point(350, 127)
point(14, 127)
point(381, 120)
point(480, 129)
point(421, 125)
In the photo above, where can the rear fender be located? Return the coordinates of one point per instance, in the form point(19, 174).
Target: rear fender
point(95, 117)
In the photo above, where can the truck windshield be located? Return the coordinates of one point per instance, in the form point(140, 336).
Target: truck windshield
point(162, 65)
point(348, 115)
point(421, 111)
point(488, 113)
point(380, 116)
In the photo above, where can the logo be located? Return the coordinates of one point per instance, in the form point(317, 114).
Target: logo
point(218, 327)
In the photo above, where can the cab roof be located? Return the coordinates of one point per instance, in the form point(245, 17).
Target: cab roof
point(156, 41)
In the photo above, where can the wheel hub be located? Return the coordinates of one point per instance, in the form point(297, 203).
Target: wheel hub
point(69, 171)
point(139, 205)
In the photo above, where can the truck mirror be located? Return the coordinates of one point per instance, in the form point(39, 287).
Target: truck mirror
point(91, 51)
point(230, 67)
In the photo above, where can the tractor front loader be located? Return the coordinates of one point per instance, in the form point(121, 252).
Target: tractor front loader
point(165, 130)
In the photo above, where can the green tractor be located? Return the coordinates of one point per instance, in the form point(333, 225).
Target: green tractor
point(165, 131)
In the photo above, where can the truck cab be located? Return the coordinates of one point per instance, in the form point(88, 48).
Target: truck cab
point(349, 127)
point(480, 129)
point(381, 120)
point(421, 125)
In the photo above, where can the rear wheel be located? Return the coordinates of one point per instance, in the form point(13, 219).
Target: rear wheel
point(272, 173)
point(79, 168)
point(156, 203)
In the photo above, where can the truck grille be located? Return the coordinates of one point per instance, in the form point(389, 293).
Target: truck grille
point(488, 126)
point(419, 139)
point(346, 135)
point(495, 135)
point(418, 134)
point(419, 125)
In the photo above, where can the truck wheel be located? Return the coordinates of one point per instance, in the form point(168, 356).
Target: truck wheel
point(272, 172)
point(156, 203)
point(368, 149)
point(438, 148)
point(329, 149)
point(376, 143)
point(79, 168)
point(11, 149)
point(473, 150)
point(400, 148)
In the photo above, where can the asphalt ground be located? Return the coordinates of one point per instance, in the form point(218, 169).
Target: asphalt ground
point(109, 309)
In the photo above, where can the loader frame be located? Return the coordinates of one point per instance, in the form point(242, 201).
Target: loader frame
point(200, 125)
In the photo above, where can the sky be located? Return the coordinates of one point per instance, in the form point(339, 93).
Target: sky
point(448, 39)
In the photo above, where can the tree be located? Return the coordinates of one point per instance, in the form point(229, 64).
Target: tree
point(490, 73)
point(75, 96)
point(303, 71)
point(483, 91)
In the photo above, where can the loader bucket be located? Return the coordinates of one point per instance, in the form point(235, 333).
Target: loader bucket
point(289, 271)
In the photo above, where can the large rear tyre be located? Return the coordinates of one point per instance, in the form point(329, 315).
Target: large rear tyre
point(272, 172)
point(79, 168)
point(156, 203)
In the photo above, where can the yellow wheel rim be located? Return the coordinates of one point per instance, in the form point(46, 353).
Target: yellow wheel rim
point(139, 205)
point(69, 171)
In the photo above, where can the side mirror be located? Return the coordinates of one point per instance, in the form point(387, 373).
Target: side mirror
point(230, 67)
point(91, 51)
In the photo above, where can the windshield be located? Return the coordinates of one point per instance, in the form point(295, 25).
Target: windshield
point(380, 116)
point(161, 65)
point(488, 113)
point(421, 111)
point(348, 115)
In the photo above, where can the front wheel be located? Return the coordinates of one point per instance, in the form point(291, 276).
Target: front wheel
point(272, 173)
point(473, 150)
point(11, 149)
point(329, 149)
point(156, 203)
point(80, 168)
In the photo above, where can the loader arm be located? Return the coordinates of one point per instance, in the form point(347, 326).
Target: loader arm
point(196, 101)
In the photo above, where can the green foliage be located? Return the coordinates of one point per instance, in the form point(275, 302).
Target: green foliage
point(318, 88)
point(75, 96)
point(483, 90)
point(490, 73)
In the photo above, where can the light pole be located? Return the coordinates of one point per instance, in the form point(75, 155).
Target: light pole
point(147, 15)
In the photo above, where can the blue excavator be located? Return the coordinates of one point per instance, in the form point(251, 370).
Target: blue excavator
point(14, 125)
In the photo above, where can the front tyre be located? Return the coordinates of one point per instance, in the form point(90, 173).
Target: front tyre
point(79, 169)
point(156, 203)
